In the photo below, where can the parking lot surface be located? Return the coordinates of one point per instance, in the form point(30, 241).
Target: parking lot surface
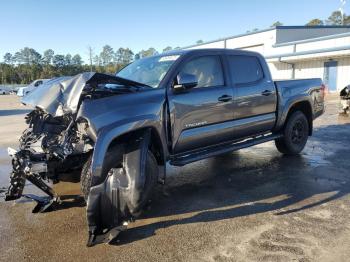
point(251, 205)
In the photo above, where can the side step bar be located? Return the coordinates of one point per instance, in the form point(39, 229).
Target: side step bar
point(190, 157)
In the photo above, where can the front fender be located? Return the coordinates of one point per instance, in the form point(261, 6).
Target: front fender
point(107, 135)
point(112, 202)
point(114, 116)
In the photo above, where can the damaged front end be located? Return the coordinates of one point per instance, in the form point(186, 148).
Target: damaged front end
point(49, 147)
point(65, 131)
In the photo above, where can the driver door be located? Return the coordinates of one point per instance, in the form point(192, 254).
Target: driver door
point(200, 115)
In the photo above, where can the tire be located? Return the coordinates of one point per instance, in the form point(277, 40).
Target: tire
point(295, 134)
point(85, 178)
point(114, 159)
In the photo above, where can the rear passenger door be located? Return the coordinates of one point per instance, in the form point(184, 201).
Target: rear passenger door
point(255, 98)
point(198, 115)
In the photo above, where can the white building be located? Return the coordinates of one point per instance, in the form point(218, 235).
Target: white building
point(298, 51)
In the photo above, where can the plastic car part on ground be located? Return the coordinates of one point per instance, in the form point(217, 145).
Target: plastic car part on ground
point(345, 100)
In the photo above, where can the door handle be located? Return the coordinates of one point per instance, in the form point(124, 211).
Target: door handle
point(225, 98)
point(267, 93)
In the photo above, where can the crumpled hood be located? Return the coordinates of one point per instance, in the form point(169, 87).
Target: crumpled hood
point(60, 95)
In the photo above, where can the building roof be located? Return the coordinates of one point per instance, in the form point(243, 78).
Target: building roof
point(327, 33)
point(310, 27)
point(230, 37)
point(304, 41)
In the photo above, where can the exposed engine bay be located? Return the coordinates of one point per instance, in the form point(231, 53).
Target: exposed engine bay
point(48, 147)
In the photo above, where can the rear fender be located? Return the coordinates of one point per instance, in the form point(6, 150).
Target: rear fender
point(285, 105)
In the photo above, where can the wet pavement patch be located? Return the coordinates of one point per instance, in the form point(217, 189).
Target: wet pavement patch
point(2, 194)
point(14, 112)
point(5, 169)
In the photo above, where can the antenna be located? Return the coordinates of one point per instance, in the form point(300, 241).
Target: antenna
point(341, 9)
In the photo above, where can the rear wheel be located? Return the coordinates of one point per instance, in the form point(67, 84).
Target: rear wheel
point(295, 134)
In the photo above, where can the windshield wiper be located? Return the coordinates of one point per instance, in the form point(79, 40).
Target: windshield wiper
point(129, 82)
point(99, 78)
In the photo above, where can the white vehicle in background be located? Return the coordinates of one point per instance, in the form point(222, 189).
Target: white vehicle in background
point(27, 89)
point(4, 92)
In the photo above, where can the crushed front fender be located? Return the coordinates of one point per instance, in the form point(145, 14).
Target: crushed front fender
point(112, 203)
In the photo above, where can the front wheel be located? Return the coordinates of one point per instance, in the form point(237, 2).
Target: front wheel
point(295, 134)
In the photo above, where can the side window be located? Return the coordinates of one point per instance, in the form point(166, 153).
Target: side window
point(38, 83)
point(245, 69)
point(207, 69)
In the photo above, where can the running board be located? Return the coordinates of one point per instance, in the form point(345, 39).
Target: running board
point(184, 159)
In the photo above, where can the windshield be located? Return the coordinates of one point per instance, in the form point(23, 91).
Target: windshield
point(149, 71)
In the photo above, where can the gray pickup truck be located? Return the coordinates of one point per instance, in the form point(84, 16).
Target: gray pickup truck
point(119, 131)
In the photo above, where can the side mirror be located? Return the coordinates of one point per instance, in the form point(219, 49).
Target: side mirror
point(185, 81)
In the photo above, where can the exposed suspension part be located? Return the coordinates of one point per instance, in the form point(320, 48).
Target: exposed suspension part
point(46, 148)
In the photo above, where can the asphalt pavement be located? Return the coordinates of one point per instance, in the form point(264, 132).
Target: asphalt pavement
point(251, 205)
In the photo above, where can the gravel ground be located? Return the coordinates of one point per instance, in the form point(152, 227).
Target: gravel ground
point(251, 205)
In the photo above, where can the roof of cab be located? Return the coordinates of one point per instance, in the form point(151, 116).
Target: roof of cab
point(209, 50)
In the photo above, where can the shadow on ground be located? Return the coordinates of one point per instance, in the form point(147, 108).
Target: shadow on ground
point(11, 112)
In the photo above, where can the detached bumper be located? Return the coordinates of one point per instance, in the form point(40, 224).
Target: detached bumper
point(24, 169)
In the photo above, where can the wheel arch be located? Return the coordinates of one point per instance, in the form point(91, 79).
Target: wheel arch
point(123, 134)
point(306, 109)
point(155, 145)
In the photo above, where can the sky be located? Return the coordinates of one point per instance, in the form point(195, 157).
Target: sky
point(70, 26)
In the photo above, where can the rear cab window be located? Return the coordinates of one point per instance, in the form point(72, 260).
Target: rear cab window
point(245, 69)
